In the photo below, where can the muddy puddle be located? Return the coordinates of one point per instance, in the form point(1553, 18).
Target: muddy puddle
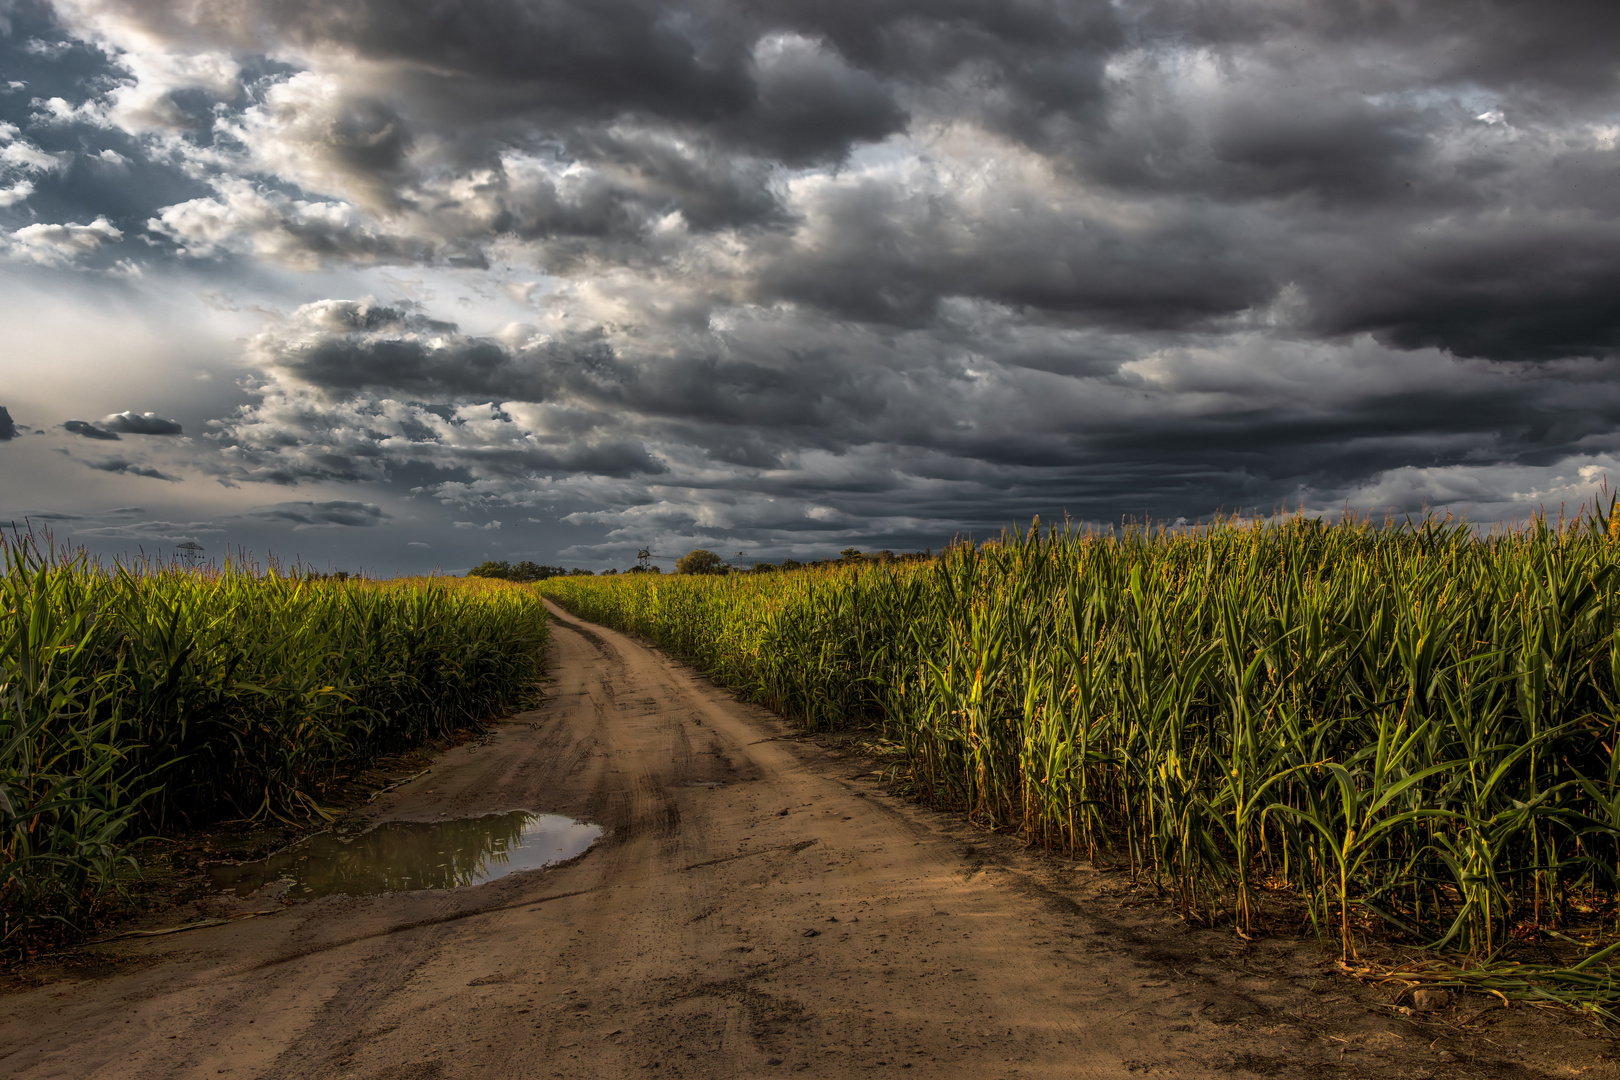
point(403, 856)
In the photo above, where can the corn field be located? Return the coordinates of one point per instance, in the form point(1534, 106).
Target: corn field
point(1396, 728)
point(142, 699)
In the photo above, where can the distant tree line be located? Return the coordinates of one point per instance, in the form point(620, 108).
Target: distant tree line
point(523, 571)
point(333, 575)
point(696, 561)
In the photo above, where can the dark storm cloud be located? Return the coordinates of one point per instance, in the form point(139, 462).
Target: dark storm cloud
point(89, 430)
point(343, 347)
point(806, 442)
point(134, 423)
point(812, 105)
point(341, 512)
point(287, 442)
point(814, 268)
point(1534, 289)
point(391, 349)
point(642, 176)
point(1502, 43)
point(697, 64)
point(125, 467)
point(1336, 150)
point(1230, 146)
point(880, 257)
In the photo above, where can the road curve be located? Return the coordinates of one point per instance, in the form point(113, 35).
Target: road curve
point(752, 910)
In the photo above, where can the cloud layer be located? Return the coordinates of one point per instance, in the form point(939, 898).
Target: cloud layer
point(134, 423)
point(800, 275)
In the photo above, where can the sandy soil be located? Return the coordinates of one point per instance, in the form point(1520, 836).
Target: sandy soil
point(758, 906)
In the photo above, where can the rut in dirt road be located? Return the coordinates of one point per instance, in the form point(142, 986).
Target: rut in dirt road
point(752, 909)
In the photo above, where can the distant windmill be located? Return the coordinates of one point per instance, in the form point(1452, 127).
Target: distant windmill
point(645, 558)
point(191, 551)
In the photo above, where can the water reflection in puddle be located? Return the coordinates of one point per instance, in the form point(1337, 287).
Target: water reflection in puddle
point(401, 856)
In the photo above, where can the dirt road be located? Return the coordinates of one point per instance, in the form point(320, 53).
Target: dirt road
point(752, 910)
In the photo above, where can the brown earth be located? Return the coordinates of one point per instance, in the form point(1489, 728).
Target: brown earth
point(758, 906)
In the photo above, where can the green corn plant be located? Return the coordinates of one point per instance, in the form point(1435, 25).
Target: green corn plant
point(147, 697)
point(1404, 724)
point(66, 798)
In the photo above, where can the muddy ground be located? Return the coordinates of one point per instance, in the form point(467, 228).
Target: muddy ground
point(760, 905)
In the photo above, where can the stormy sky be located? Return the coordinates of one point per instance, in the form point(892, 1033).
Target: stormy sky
point(415, 283)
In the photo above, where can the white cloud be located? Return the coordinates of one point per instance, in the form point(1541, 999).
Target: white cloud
point(25, 155)
point(141, 100)
point(1487, 493)
point(269, 225)
point(21, 159)
point(16, 193)
point(60, 244)
point(312, 130)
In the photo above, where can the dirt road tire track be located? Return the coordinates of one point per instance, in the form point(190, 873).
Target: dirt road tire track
point(709, 934)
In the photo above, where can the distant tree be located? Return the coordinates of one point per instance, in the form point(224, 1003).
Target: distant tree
point(523, 571)
point(699, 561)
point(792, 564)
point(644, 570)
point(764, 568)
point(851, 555)
point(609, 571)
point(577, 572)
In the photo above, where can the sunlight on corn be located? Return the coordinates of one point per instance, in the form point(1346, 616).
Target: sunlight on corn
point(1394, 727)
